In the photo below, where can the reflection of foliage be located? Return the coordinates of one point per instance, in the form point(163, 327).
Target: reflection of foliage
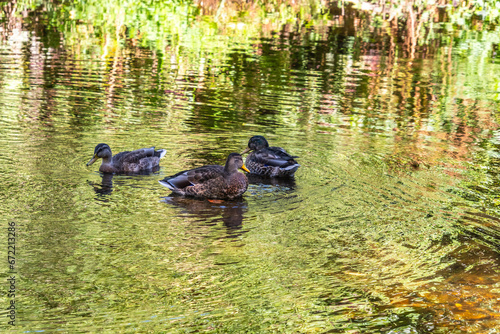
point(151, 22)
point(159, 24)
point(227, 62)
point(168, 24)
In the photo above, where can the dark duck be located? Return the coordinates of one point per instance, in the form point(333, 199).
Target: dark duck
point(269, 161)
point(144, 159)
point(212, 181)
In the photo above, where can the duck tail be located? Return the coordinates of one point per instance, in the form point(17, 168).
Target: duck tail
point(167, 184)
point(161, 153)
point(292, 168)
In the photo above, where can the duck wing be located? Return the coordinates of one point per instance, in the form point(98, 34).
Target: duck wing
point(275, 156)
point(193, 177)
point(133, 157)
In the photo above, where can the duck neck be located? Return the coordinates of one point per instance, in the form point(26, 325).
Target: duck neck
point(106, 159)
point(229, 169)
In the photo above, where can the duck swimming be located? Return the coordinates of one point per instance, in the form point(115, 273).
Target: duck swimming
point(129, 161)
point(212, 182)
point(269, 161)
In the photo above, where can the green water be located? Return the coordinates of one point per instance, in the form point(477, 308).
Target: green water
point(390, 225)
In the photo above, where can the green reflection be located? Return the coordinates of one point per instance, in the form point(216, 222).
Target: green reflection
point(390, 223)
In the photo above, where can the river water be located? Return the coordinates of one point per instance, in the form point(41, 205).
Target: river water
point(391, 223)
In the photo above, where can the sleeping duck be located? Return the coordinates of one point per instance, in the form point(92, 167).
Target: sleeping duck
point(269, 161)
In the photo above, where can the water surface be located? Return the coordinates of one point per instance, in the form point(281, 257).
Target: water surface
point(390, 225)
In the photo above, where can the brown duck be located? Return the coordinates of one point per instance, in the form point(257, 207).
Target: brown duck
point(212, 182)
point(136, 161)
point(269, 161)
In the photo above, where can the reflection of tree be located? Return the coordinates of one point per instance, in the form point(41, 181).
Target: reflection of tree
point(331, 67)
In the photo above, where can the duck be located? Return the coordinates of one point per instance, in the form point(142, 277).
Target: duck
point(143, 159)
point(269, 161)
point(211, 182)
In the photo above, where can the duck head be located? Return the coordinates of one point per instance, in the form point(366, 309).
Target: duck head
point(256, 143)
point(102, 151)
point(234, 162)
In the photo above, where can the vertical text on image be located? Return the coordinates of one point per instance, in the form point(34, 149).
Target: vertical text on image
point(11, 281)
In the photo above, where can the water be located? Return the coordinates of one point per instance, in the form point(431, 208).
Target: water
point(390, 225)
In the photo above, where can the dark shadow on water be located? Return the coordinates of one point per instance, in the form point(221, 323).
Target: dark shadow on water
point(230, 212)
point(105, 187)
point(482, 227)
point(272, 181)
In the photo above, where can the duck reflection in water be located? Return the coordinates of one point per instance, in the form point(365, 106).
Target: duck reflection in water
point(258, 180)
point(230, 212)
point(105, 187)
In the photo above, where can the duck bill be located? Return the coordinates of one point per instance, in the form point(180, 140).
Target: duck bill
point(245, 151)
point(94, 158)
point(245, 168)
